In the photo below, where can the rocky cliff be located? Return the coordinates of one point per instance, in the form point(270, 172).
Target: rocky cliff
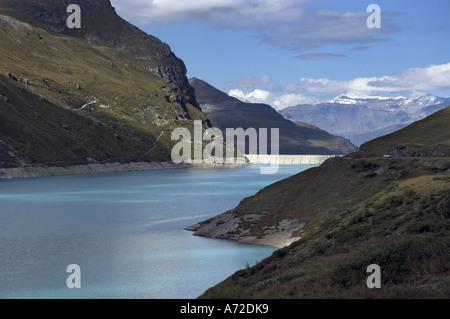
point(101, 25)
point(104, 93)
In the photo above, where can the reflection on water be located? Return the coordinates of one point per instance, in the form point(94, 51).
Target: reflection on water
point(125, 231)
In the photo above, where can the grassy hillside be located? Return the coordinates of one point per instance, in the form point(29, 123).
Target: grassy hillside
point(404, 229)
point(394, 212)
point(36, 131)
point(227, 112)
point(65, 101)
point(430, 133)
point(102, 26)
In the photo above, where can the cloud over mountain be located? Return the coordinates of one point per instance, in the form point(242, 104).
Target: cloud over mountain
point(292, 24)
point(413, 82)
point(277, 102)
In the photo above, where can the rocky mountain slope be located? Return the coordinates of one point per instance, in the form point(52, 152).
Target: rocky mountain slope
point(352, 212)
point(102, 26)
point(228, 112)
point(104, 93)
point(361, 119)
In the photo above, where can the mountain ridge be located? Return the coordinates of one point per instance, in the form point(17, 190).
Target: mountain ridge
point(225, 112)
point(364, 118)
point(65, 101)
point(102, 26)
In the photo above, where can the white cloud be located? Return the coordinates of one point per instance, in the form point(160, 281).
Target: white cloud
point(257, 96)
point(212, 11)
point(291, 24)
point(433, 78)
point(413, 81)
point(277, 102)
point(287, 100)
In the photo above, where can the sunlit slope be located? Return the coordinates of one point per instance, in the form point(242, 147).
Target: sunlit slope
point(65, 100)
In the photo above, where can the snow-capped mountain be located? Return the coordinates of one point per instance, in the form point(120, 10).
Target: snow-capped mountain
point(363, 118)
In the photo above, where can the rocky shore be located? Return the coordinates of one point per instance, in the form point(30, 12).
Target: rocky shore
point(43, 171)
point(232, 226)
point(229, 225)
point(95, 168)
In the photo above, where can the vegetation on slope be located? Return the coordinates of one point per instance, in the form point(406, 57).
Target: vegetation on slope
point(65, 101)
point(405, 229)
point(430, 133)
point(394, 212)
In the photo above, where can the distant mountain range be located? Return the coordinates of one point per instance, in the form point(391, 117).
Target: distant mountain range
point(225, 112)
point(361, 119)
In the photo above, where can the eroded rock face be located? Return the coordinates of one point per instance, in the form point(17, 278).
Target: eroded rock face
point(101, 25)
point(413, 150)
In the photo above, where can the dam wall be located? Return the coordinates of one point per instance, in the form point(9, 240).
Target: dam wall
point(288, 159)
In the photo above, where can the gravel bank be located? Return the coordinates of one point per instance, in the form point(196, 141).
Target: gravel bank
point(230, 225)
point(42, 171)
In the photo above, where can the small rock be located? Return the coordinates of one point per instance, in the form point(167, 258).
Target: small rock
point(4, 98)
point(12, 77)
point(91, 160)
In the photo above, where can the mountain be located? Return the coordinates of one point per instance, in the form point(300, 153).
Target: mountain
point(103, 27)
point(347, 214)
point(107, 92)
point(228, 112)
point(361, 119)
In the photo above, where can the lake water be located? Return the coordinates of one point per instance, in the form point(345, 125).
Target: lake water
point(125, 231)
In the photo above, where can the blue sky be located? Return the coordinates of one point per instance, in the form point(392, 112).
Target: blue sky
point(287, 52)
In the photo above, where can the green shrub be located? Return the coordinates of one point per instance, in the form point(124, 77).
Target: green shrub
point(396, 258)
point(409, 193)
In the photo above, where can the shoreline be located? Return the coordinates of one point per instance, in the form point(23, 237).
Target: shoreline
point(85, 169)
point(95, 168)
point(227, 225)
point(231, 226)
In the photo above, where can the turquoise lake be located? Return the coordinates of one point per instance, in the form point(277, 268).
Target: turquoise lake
point(125, 231)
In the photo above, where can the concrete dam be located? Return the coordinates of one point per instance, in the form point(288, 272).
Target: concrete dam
point(288, 159)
